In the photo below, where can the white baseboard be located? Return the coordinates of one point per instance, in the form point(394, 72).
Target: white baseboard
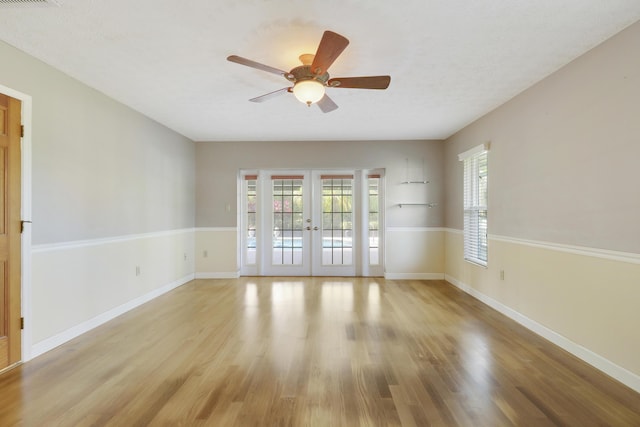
point(218, 275)
point(621, 374)
point(71, 333)
point(414, 276)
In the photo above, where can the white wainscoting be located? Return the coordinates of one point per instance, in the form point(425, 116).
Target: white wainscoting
point(77, 286)
point(584, 300)
point(411, 253)
point(415, 253)
point(216, 250)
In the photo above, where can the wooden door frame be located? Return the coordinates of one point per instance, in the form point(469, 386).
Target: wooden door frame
point(26, 211)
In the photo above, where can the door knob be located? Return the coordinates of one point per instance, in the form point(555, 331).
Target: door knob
point(315, 228)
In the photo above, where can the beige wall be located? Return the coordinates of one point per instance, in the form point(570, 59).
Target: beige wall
point(73, 284)
point(412, 252)
point(216, 253)
point(416, 250)
point(218, 163)
point(563, 154)
point(99, 168)
point(585, 300)
point(564, 206)
point(111, 191)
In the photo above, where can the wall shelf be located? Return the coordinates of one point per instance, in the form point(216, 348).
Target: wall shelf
point(419, 181)
point(429, 205)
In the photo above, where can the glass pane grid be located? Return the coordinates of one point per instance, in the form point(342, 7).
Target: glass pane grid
point(287, 222)
point(374, 224)
point(337, 221)
point(250, 248)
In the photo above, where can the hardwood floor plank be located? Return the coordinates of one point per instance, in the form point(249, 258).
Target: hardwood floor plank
point(312, 352)
point(403, 407)
point(215, 396)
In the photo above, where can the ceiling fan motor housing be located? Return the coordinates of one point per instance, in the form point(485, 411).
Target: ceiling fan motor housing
point(303, 72)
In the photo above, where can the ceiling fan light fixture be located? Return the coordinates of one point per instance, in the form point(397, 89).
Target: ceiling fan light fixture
point(308, 91)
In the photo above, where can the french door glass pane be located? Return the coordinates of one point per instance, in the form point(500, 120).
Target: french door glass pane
point(374, 226)
point(337, 221)
point(288, 223)
point(250, 249)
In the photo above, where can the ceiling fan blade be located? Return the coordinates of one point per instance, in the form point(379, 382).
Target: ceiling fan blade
point(330, 47)
point(270, 95)
point(372, 82)
point(326, 104)
point(253, 64)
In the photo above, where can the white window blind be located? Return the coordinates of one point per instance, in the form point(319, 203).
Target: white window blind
point(475, 203)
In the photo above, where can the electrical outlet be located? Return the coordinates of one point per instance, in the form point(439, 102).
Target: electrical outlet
point(501, 274)
point(185, 256)
point(137, 270)
point(205, 253)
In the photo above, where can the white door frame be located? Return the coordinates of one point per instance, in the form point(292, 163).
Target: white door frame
point(367, 269)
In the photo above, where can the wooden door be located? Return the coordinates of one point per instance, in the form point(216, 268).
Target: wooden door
point(10, 323)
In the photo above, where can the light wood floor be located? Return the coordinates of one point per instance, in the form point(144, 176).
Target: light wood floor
point(312, 352)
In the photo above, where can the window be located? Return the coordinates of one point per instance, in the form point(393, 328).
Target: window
point(475, 204)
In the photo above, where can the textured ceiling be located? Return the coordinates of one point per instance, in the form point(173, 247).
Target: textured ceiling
point(451, 61)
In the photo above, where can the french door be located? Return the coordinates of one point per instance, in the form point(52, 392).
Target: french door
point(287, 226)
point(304, 223)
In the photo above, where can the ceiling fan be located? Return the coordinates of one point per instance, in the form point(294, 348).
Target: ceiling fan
point(311, 78)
